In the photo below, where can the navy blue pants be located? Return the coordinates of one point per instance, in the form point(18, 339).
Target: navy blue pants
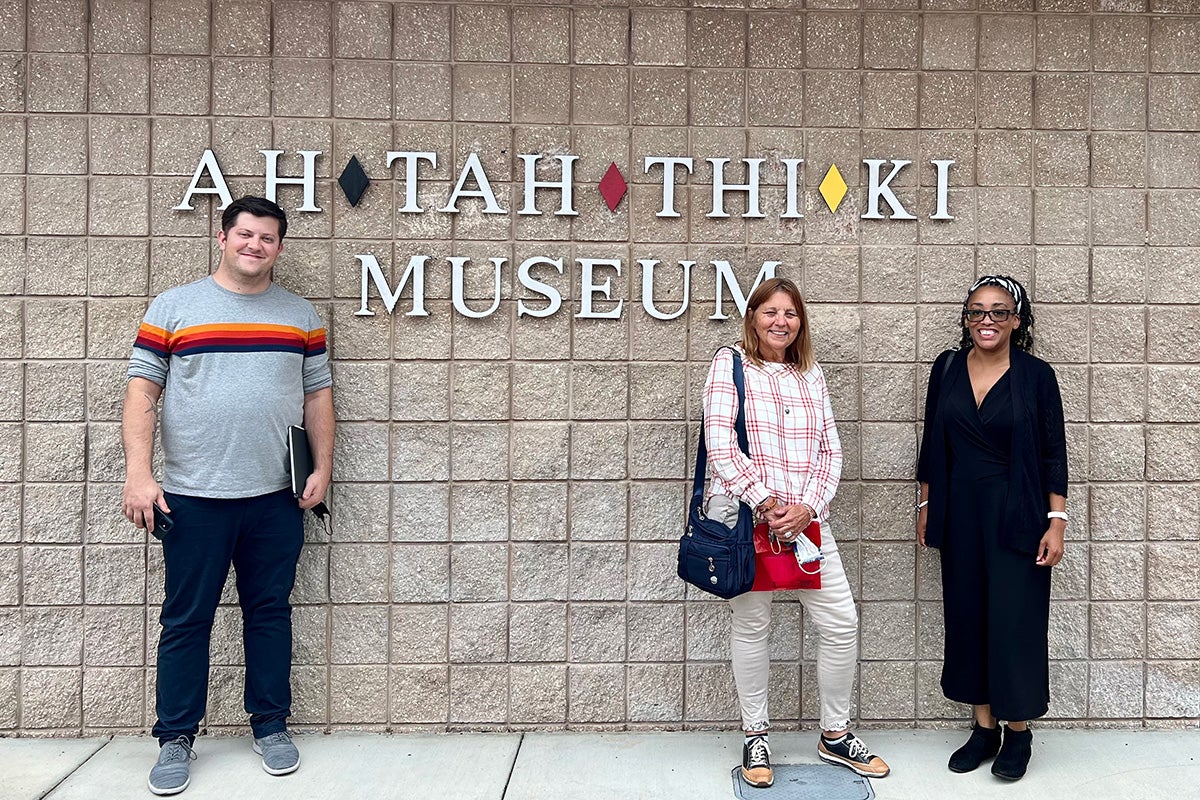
point(261, 537)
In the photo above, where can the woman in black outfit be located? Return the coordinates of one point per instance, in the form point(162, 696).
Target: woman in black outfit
point(993, 475)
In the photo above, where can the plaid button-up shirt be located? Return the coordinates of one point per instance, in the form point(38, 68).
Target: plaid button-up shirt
point(795, 453)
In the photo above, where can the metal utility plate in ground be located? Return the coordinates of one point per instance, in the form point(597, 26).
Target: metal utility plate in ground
point(806, 782)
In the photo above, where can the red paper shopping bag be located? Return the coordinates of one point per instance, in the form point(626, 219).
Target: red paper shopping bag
point(779, 571)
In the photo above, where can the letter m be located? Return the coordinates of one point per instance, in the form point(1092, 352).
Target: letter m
point(372, 272)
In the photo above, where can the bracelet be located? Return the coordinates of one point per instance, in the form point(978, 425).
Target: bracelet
point(921, 505)
point(1057, 515)
point(763, 508)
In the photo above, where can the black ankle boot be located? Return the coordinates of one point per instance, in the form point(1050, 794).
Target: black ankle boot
point(983, 744)
point(1014, 754)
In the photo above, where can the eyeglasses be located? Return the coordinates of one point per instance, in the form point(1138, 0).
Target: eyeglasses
point(997, 314)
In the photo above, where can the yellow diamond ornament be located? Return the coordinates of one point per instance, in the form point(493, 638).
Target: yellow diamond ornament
point(833, 188)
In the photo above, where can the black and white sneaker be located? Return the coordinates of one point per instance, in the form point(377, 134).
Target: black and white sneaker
point(756, 762)
point(849, 751)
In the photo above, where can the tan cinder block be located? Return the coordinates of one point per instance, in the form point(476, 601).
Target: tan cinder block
point(1006, 42)
point(542, 35)
point(481, 33)
point(359, 689)
point(423, 399)
point(889, 100)
point(51, 697)
point(1118, 102)
point(240, 87)
point(358, 573)
point(1121, 43)
point(887, 689)
point(949, 41)
point(482, 93)
point(56, 266)
point(419, 634)
point(891, 40)
point(1060, 216)
point(1169, 107)
point(1173, 160)
point(832, 40)
point(119, 146)
point(479, 451)
point(301, 87)
point(1115, 689)
point(180, 26)
point(1118, 630)
point(1171, 689)
point(360, 635)
point(776, 40)
point(1173, 630)
point(833, 99)
point(1174, 45)
point(597, 692)
point(1056, 101)
point(301, 28)
point(180, 85)
point(12, 82)
point(114, 635)
point(479, 511)
point(420, 693)
point(51, 636)
point(113, 697)
point(52, 575)
point(57, 26)
point(478, 631)
point(1118, 159)
point(1005, 100)
point(540, 450)
point(601, 35)
point(420, 573)
point(947, 100)
point(538, 92)
point(54, 391)
point(716, 38)
point(472, 693)
point(537, 632)
point(57, 83)
point(1063, 43)
point(120, 26)
point(539, 693)
point(597, 633)
point(241, 27)
point(658, 97)
point(1061, 158)
point(363, 30)
point(1173, 218)
point(58, 145)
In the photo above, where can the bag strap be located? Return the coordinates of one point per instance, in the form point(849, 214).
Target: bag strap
point(739, 427)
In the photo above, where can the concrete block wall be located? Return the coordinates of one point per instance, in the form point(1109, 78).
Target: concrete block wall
point(508, 489)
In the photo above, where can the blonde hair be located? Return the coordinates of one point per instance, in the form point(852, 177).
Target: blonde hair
point(800, 352)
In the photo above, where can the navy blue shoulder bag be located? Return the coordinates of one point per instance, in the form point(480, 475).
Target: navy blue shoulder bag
point(714, 558)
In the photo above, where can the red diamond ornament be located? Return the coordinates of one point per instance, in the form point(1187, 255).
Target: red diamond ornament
point(613, 187)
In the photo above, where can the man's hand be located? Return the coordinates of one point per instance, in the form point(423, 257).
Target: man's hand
point(138, 498)
point(922, 522)
point(314, 489)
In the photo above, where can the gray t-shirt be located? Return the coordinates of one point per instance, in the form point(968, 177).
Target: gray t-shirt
point(235, 369)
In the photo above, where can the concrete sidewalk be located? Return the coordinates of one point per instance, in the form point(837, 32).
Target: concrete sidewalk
point(1067, 764)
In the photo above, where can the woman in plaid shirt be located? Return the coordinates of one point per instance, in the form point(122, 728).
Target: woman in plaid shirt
point(789, 479)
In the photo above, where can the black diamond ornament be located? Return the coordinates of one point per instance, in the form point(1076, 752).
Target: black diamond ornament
point(353, 181)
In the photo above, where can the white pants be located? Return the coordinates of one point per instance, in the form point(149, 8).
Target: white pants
point(831, 609)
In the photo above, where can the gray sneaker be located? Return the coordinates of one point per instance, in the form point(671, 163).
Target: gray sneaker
point(170, 773)
point(279, 755)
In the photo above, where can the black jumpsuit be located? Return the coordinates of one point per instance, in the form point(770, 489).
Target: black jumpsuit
point(996, 599)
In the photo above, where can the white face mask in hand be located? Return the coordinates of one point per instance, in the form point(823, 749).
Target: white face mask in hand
point(807, 552)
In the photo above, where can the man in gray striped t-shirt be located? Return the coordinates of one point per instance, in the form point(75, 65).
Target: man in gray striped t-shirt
point(236, 360)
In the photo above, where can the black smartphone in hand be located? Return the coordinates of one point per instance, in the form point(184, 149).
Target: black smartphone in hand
point(162, 523)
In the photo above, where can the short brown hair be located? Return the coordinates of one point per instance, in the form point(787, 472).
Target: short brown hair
point(800, 352)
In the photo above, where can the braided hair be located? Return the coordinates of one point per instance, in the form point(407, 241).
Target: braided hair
point(1022, 337)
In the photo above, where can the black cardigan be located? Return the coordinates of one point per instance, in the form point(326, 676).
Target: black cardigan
point(1038, 466)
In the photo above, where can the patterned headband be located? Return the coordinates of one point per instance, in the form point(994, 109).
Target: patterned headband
point(1007, 284)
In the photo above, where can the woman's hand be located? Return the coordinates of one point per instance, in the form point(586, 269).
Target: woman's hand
point(788, 522)
point(1050, 549)
point(922, 521)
